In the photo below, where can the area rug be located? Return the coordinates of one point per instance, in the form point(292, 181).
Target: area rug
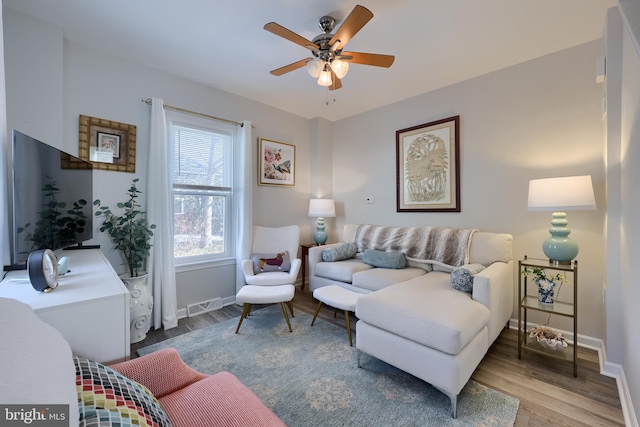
point(310, 377)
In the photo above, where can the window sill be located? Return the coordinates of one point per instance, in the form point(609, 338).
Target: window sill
point(201, 264)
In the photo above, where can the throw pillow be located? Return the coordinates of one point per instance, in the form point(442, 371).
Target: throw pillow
point(462, 277)
point(340, 252)
point(107, 398)
point(263, 263)
point(384, 259)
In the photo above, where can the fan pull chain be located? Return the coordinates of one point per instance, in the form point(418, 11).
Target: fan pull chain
point(327, 100)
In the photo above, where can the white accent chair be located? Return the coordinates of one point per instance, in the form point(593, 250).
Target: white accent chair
point(273, 286)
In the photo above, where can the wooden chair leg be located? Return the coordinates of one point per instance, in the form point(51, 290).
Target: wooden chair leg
point(317, 311)
point(245, 313)
point(286, 315)
point(346, 316)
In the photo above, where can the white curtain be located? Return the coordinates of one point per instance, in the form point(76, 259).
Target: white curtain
point(160, 212)
point(244, 186)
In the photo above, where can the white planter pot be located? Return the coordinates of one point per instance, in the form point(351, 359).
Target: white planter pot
point(140, 304)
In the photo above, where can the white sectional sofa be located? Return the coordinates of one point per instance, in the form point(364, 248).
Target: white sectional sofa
point(413, 318)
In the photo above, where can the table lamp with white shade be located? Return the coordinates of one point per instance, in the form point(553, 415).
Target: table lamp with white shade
point(321, 208)
point(571, 193)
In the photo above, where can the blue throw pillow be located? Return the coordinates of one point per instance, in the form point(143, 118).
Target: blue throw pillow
point(263, 263)
point(340, 252)
point(462, 277)
point(384, 259)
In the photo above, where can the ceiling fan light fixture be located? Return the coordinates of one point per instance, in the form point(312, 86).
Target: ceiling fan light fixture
point(325, 76)
point(314, 67)
point(340, 68)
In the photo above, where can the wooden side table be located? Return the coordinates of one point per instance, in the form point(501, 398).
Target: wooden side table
point(304, 253)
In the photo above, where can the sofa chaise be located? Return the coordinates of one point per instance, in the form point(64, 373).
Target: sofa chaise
point(158, 389)
point(415, 318)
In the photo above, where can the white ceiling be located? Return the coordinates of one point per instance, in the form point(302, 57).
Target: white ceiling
point(222, 44)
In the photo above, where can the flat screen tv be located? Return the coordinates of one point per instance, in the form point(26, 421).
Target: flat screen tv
point(52, 198)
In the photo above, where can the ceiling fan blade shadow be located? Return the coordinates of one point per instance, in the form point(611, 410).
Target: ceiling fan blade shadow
point(368, 59)
point(357, 19)
point(283, 32)
point(291, 67)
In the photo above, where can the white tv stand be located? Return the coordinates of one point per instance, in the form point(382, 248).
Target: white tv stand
point(90, 306)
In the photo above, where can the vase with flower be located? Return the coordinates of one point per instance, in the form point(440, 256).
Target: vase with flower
point(546, 284)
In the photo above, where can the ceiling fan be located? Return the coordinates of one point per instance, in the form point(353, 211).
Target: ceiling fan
point(330, 63)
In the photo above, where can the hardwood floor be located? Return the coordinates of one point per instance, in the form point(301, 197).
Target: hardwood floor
point(549, 394)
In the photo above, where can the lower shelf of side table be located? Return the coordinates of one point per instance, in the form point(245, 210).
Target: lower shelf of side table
point(531, 345)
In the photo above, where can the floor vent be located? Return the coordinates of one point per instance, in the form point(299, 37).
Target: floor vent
point(204, 307)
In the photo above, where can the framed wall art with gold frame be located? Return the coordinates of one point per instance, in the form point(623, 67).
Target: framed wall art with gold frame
point(108, 145)
point(428, 167)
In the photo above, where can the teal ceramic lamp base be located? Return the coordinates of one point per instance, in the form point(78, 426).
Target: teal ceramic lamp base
point(320, 236)
point(559, 247)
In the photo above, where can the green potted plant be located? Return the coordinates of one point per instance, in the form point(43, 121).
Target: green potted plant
point(129, 231)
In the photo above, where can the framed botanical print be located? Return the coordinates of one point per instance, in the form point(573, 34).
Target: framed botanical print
point(428, 167)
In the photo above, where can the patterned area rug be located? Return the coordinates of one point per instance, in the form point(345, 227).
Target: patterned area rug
point(309, 377)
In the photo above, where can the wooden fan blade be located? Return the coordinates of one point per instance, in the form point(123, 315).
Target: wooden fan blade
point(358, 17)
point(368, 59)
point(283, 32)
point(335, 82)
point(287, 68)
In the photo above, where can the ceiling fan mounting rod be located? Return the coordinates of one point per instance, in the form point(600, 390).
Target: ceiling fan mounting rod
point(326, 24)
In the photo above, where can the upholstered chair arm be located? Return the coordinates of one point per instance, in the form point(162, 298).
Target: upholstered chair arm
point(493, 287)
point(315, 256)
point(162, 372)
point(295, 267)
point(247, 267)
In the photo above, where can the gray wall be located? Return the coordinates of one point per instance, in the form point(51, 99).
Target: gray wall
point(538, 119)
point(623, 229)
point(53, 81)
point(533, 120)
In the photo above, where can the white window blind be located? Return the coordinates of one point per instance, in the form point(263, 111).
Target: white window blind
point(202, 166)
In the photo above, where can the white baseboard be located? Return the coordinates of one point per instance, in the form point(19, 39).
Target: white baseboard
point(630, 418)
point(608, 369)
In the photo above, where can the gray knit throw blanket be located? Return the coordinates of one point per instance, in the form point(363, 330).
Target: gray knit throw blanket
point(447, 247)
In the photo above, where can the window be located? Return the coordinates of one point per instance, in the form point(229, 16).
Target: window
point(202, 177)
